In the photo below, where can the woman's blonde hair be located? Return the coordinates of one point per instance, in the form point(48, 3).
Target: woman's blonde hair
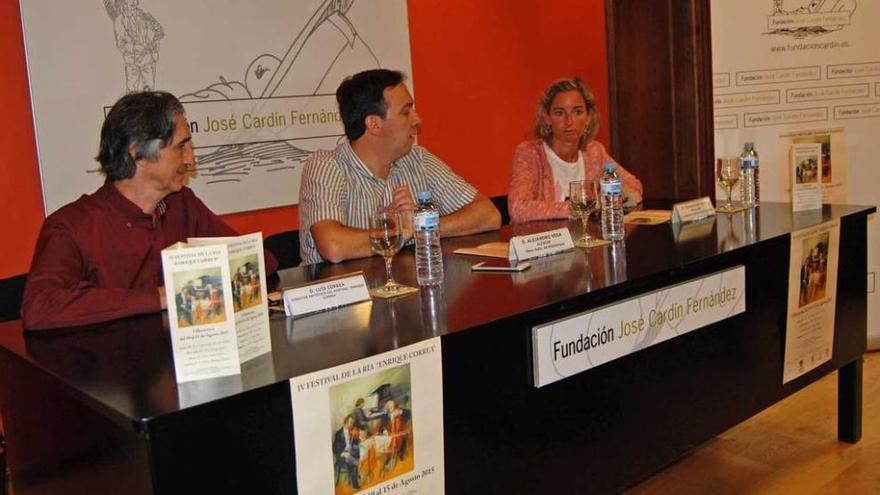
point(544, 131)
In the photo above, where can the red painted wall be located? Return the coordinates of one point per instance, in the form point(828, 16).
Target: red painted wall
point(478, 68)
point(21, 201)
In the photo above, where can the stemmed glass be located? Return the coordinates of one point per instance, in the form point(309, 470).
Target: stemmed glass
point(583, 198)
point(386, 238)
point(727, 174)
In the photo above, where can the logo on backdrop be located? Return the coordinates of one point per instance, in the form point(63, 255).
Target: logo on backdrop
point(810, 18)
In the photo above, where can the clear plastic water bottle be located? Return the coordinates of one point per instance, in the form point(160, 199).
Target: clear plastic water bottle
point(426, 229)
point(750, 226)
point(749, 178)
point(615, 263)
point(611, 190)
point(433, 305)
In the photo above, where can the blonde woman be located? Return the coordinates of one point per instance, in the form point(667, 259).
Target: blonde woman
point(566, 123)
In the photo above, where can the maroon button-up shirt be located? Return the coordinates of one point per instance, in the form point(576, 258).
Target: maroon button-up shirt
point(99, 258)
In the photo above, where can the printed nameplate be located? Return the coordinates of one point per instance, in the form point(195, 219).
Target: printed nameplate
point(695, 209)
point(697, 229)
point(326, 294)
point(541, 244)
point(569, 346)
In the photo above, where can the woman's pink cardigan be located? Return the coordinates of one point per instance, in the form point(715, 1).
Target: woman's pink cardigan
point(531, 192)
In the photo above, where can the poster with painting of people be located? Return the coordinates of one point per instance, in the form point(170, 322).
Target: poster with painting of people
point(203, 338)
point(812, 286)
point(806, 176)
point(834, 162)
point(373, 425)
point(247, 271)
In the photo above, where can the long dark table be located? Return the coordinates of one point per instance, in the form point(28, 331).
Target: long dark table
point(97, 409)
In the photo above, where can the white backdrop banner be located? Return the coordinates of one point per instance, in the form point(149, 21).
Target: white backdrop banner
point(257, 80)
point(794, 71)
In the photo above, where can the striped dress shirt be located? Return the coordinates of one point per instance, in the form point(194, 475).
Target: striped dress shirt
point(336, 185)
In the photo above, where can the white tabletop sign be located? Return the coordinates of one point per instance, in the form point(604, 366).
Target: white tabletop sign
point(541, 244)
point(695, 209)
point(569, 346)
point(325, 294)
point(689, 231)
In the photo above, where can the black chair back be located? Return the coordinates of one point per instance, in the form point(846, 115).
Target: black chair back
point(500, 202)
point(11, 292)
point(285, 247)
point(2, 465)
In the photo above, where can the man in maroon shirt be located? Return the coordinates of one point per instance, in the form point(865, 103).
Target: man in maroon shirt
point(99, 258)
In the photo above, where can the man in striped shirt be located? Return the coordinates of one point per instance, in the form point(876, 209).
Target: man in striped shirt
point(379, 165)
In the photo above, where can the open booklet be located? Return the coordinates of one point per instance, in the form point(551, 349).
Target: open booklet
point(490, 249)
point(647, 217)
point(524, 247)
point(217, 305)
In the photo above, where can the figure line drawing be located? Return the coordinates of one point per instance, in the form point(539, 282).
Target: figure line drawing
point(137, 34)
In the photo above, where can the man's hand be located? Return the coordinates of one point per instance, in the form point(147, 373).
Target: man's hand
point(480, 215)
point(631, 198)
point(402, 199)
point(162, 301)
point(402, 203)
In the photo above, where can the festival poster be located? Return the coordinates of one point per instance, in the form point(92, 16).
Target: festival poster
point(806, 176)
point(372, 426)
point(203, 338)
point(247, 269)
point(834, 160)
point(812, 287)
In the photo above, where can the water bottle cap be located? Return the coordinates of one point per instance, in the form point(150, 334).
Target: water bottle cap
point(749, 146)
point(423, 196)
point(609, 167)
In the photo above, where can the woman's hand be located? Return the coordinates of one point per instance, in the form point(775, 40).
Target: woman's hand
point(631, 198)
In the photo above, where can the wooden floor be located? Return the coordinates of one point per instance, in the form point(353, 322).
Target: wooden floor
point(791, 448)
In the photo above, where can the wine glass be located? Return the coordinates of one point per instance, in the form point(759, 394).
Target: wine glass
point(583, 198)
point(727, 174)
point(386, 238)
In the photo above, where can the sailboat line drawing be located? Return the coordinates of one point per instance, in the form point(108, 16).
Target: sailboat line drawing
point(327, 49)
